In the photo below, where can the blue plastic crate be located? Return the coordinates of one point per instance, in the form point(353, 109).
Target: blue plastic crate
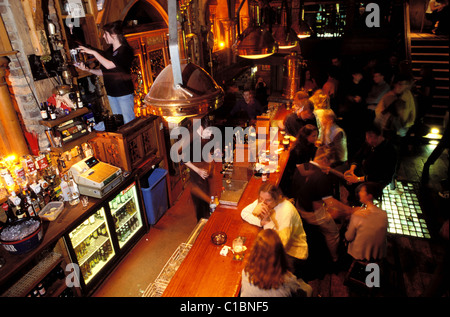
point(155, 197)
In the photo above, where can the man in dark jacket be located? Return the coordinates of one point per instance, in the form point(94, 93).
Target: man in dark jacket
point(375, 162)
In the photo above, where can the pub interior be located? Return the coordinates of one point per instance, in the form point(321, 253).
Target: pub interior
point(293, 92)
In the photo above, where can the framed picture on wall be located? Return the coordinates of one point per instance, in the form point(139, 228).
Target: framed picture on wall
point(75, 8)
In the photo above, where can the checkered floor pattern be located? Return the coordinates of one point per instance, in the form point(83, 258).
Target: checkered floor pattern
point(404, 211)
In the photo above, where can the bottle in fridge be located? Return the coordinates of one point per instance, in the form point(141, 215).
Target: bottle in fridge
point(126, 213)
point(92, 245)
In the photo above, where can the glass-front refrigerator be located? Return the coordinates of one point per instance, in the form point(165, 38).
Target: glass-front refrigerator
point(106, 234)
point(92, 245)
point(126, 213)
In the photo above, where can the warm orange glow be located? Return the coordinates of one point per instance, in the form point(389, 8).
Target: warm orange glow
point(286, 47)
point(222, 44)
point(258, 56)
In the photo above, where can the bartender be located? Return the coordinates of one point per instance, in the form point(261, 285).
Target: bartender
point(200, 171)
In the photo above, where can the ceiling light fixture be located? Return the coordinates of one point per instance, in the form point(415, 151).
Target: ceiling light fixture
point(284, 35)
point(182, 89)
point(303, 30)
point(255, 42)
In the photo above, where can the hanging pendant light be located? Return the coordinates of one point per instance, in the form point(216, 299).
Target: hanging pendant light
point(255, 42)
point(286, 39)
point(303, 29)
point(182, 89)
point(284, 35)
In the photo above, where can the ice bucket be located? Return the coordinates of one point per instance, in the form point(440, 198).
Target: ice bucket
point(27, 243)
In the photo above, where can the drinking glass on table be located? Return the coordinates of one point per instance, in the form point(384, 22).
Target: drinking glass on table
point(84, 201)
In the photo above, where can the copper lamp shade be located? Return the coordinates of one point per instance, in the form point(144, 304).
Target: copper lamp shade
point(198, 94)
point(286, 38)
point(256, 42)
point(182, 89)
point(303, 30)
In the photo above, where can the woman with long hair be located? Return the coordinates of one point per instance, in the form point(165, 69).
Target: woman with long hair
point(267, 273)
point(115, 67)
point(302, 151)
point(273, 211)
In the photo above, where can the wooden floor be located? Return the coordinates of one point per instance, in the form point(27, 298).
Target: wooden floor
point(409, 270)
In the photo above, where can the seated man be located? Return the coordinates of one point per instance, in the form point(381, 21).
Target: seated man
point(272, 211)
point(378, 89)
point(248, 107)
point(312, 187)
point(375, 161)
point(302, 115)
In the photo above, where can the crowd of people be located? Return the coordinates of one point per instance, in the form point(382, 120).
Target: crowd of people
point(349, 137)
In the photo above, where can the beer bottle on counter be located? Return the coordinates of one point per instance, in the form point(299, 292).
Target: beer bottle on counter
point(10, 216)
point(44, 111)
point(52, 112)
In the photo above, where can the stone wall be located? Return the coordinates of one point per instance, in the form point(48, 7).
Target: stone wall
point(25, 92)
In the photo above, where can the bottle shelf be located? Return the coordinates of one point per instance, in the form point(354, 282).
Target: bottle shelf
point(70, 116)
point(86, 231)
point(26, 284)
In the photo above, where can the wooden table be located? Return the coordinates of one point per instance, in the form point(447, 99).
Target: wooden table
point(206, 273)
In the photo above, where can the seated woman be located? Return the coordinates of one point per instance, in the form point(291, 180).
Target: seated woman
point(333, 137)
point(267, 273)
point(367, 230)
point(272, 211)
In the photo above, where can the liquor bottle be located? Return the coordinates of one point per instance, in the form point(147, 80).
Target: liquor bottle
point(79, 101)
point(74, 199)
point(65, 190)
point(20, 171)
point(7, 179)
point(20, 212)
point(26, 208)
point(30, 209)
point(8, 208)
point(37, 190)
point(44, 111)
point(52, 112)
point(36, 206)
point(16, 203)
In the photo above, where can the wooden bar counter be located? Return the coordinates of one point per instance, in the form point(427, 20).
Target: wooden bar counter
point(206, 273)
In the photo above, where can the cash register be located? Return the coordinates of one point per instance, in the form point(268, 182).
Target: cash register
point(95, 178)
